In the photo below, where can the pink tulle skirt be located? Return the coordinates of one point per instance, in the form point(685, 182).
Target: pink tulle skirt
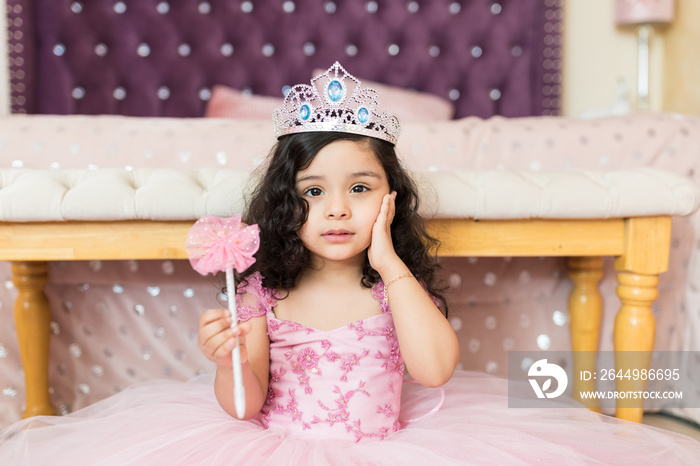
point(176, 423)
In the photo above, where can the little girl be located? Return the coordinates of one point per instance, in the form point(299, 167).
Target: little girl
point(341, 298)
point(335, 306)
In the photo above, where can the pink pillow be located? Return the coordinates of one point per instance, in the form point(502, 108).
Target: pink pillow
point(226, 102)
point(409, 105)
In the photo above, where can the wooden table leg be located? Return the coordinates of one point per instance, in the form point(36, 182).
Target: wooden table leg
point(634, 337)
point(33, 322)
point(647, 249)
point(585, 314)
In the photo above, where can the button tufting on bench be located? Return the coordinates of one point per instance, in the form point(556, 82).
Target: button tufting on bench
point(172, 194)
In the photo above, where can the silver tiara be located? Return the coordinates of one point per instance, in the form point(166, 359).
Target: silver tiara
point(335, 101)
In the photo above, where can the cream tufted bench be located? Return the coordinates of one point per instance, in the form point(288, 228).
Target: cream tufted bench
point(168, 194)
point(146, 213)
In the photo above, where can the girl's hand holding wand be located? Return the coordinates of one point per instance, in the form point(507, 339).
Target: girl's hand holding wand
point(215, 244)
point(217, 338)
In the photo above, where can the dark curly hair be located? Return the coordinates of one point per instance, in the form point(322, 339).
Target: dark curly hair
point(280, 212)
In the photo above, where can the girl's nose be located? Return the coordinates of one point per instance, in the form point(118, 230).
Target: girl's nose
point(337, 208)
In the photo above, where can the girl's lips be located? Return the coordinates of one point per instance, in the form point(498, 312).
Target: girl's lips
point(337, 236)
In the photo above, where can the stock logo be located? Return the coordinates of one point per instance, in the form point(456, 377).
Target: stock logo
point(541, 369)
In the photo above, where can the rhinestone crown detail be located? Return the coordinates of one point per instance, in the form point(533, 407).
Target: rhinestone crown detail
point(335, 101)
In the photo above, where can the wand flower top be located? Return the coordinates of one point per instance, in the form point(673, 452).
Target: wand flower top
point(216, 244)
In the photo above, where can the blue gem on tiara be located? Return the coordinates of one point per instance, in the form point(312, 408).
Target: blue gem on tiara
point(304, 112)
point(363, 115)
point(335, 90)
point(335, 101)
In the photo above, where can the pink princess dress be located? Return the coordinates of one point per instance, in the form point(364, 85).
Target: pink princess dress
point(336, 398)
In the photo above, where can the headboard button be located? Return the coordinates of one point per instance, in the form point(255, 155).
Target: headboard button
point(226, 49)
point(163, 93)
point(330, 7)
point(120, 8)
point(119, 93)
point(78, 93)
point(76, 7)
point(101, 50)
point(204, 8)
point(309, 49)
point(143, 50)
point(205, 94)
point(476, 51)
point(184, 50)
point(163, 8)
point(59, 49)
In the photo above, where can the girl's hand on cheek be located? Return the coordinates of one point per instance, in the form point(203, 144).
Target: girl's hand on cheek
point(381, 250)
point(216, 338)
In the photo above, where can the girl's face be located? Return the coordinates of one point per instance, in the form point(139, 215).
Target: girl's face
point(344, 186)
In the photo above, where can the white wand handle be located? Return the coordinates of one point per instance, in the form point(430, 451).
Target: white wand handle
point(238, 390)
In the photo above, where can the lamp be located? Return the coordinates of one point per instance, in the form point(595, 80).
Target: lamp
point(643, 13)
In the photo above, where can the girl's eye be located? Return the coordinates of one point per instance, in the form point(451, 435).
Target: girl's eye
point(359, 189)
point(313, 192)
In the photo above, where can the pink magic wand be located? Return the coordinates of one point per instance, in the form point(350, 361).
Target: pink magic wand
point(216, 244)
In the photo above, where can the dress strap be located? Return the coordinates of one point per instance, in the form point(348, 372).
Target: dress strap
point(432, 411)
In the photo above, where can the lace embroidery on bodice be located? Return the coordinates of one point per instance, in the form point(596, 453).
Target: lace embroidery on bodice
point(341, 383)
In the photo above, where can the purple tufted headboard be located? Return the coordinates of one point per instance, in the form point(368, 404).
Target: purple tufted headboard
point(162, 57)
